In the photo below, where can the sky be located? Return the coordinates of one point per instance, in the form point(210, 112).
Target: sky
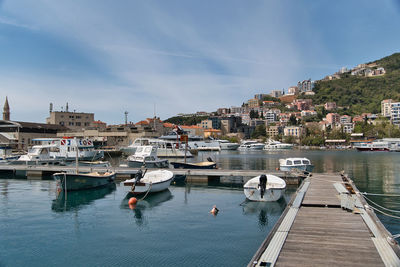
point(178, 56)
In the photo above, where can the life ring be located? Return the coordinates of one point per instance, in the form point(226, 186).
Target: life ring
point(63, 142)
point(89, 143)
point(84, 142)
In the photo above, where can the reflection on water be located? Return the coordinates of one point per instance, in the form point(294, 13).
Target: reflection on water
point(264, 210)
point(76, 200)
point(149, 202)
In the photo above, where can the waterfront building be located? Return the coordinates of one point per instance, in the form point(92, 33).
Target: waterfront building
point(20, 134)
point(395, 113)
point(330, 106)
point(305, 86)
point(256, 122)
point(302, 104)
point(6, 111)
point(205, 124)
point(333, 118)
point(270, 116)
point(253, 103)
point(386, 110)
point(345, 119)
point(72, 120)
point(222, 111)
point(306, 113)
point(193, 130)
point(296, 131)
point(293, 90)
point(273, 130)
point(276, 93)
point(230, 124)
point(260, 96)
point(348, 127)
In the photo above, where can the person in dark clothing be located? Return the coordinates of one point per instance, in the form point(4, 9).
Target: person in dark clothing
point(263, 184)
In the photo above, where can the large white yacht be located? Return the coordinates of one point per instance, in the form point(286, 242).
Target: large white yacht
point(273, 145)
point(226, 145)
point(251, 145)
point(165, 149)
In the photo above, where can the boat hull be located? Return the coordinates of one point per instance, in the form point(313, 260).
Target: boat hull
point(149, 184)
point(149, 164)
point(274, 190)
point(73, 181)
point(181, 165)
point(306, 168)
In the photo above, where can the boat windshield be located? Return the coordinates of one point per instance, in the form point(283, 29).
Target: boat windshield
point(34, 150)
point(297, 162)
point(139, 149)
point(147, 149)
point(306, 162)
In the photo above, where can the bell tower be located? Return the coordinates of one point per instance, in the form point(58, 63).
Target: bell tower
point(6, 111)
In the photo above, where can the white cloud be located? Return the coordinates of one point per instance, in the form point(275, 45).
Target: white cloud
point(158, 54)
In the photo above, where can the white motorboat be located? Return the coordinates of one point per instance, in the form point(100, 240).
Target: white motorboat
point(251, 145)
point(39, 155)
point(274, 189)
point(146, 156)
point(274, 145)
point(65, 148)
point(302, 164)
point(226, 145)
point(151, 182)
point(6, 154)
point(165, 149)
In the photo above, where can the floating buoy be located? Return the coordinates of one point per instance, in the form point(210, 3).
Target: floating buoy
point(132, 207)
point(214, 210)
point(132, 201)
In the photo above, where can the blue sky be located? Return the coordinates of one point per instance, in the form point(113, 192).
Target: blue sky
point(108, 57)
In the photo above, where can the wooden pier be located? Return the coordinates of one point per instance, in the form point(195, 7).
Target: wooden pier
point(328, 223)
point(122, 173)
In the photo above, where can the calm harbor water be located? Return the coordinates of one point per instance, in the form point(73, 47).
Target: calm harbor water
point(38, 227)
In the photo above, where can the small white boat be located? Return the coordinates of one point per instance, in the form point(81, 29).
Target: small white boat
point(275, 187)
point(250, 146)
point(146, 156)
point(154, 181)
point(226, 145)
point(274, 145)
point(302, 164)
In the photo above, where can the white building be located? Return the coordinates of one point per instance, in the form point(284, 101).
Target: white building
point(395, 113)
point(386, 107)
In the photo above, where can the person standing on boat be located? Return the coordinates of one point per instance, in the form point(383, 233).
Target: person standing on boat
point(263, 184)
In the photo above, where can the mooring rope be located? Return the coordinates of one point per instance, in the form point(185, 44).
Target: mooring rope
point(148, 190)
point(397, 211)
point(384, 213)
point(381, 195)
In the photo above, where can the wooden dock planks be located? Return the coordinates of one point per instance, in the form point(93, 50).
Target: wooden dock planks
point(322, 233)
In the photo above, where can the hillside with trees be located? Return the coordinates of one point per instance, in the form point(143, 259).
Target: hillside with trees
point(358, 94)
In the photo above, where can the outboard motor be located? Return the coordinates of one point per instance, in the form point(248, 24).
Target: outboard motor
point(210, 159)
point(263, 184)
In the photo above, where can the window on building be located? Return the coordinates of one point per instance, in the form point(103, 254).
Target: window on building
point(71, 123)
point(78, 124)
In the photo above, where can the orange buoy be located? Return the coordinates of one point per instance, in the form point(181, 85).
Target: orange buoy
point(132, 207)
point(132, 201)
point(214, 210)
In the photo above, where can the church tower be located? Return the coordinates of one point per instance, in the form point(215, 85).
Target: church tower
point(6, 111)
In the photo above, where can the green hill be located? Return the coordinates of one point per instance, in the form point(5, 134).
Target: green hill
point(358, 94)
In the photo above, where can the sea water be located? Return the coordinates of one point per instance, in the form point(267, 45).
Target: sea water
point(41, 227)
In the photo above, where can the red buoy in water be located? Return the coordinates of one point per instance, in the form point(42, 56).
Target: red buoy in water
point(132, 201)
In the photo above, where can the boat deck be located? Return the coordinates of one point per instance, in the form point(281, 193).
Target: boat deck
point(315, 230)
